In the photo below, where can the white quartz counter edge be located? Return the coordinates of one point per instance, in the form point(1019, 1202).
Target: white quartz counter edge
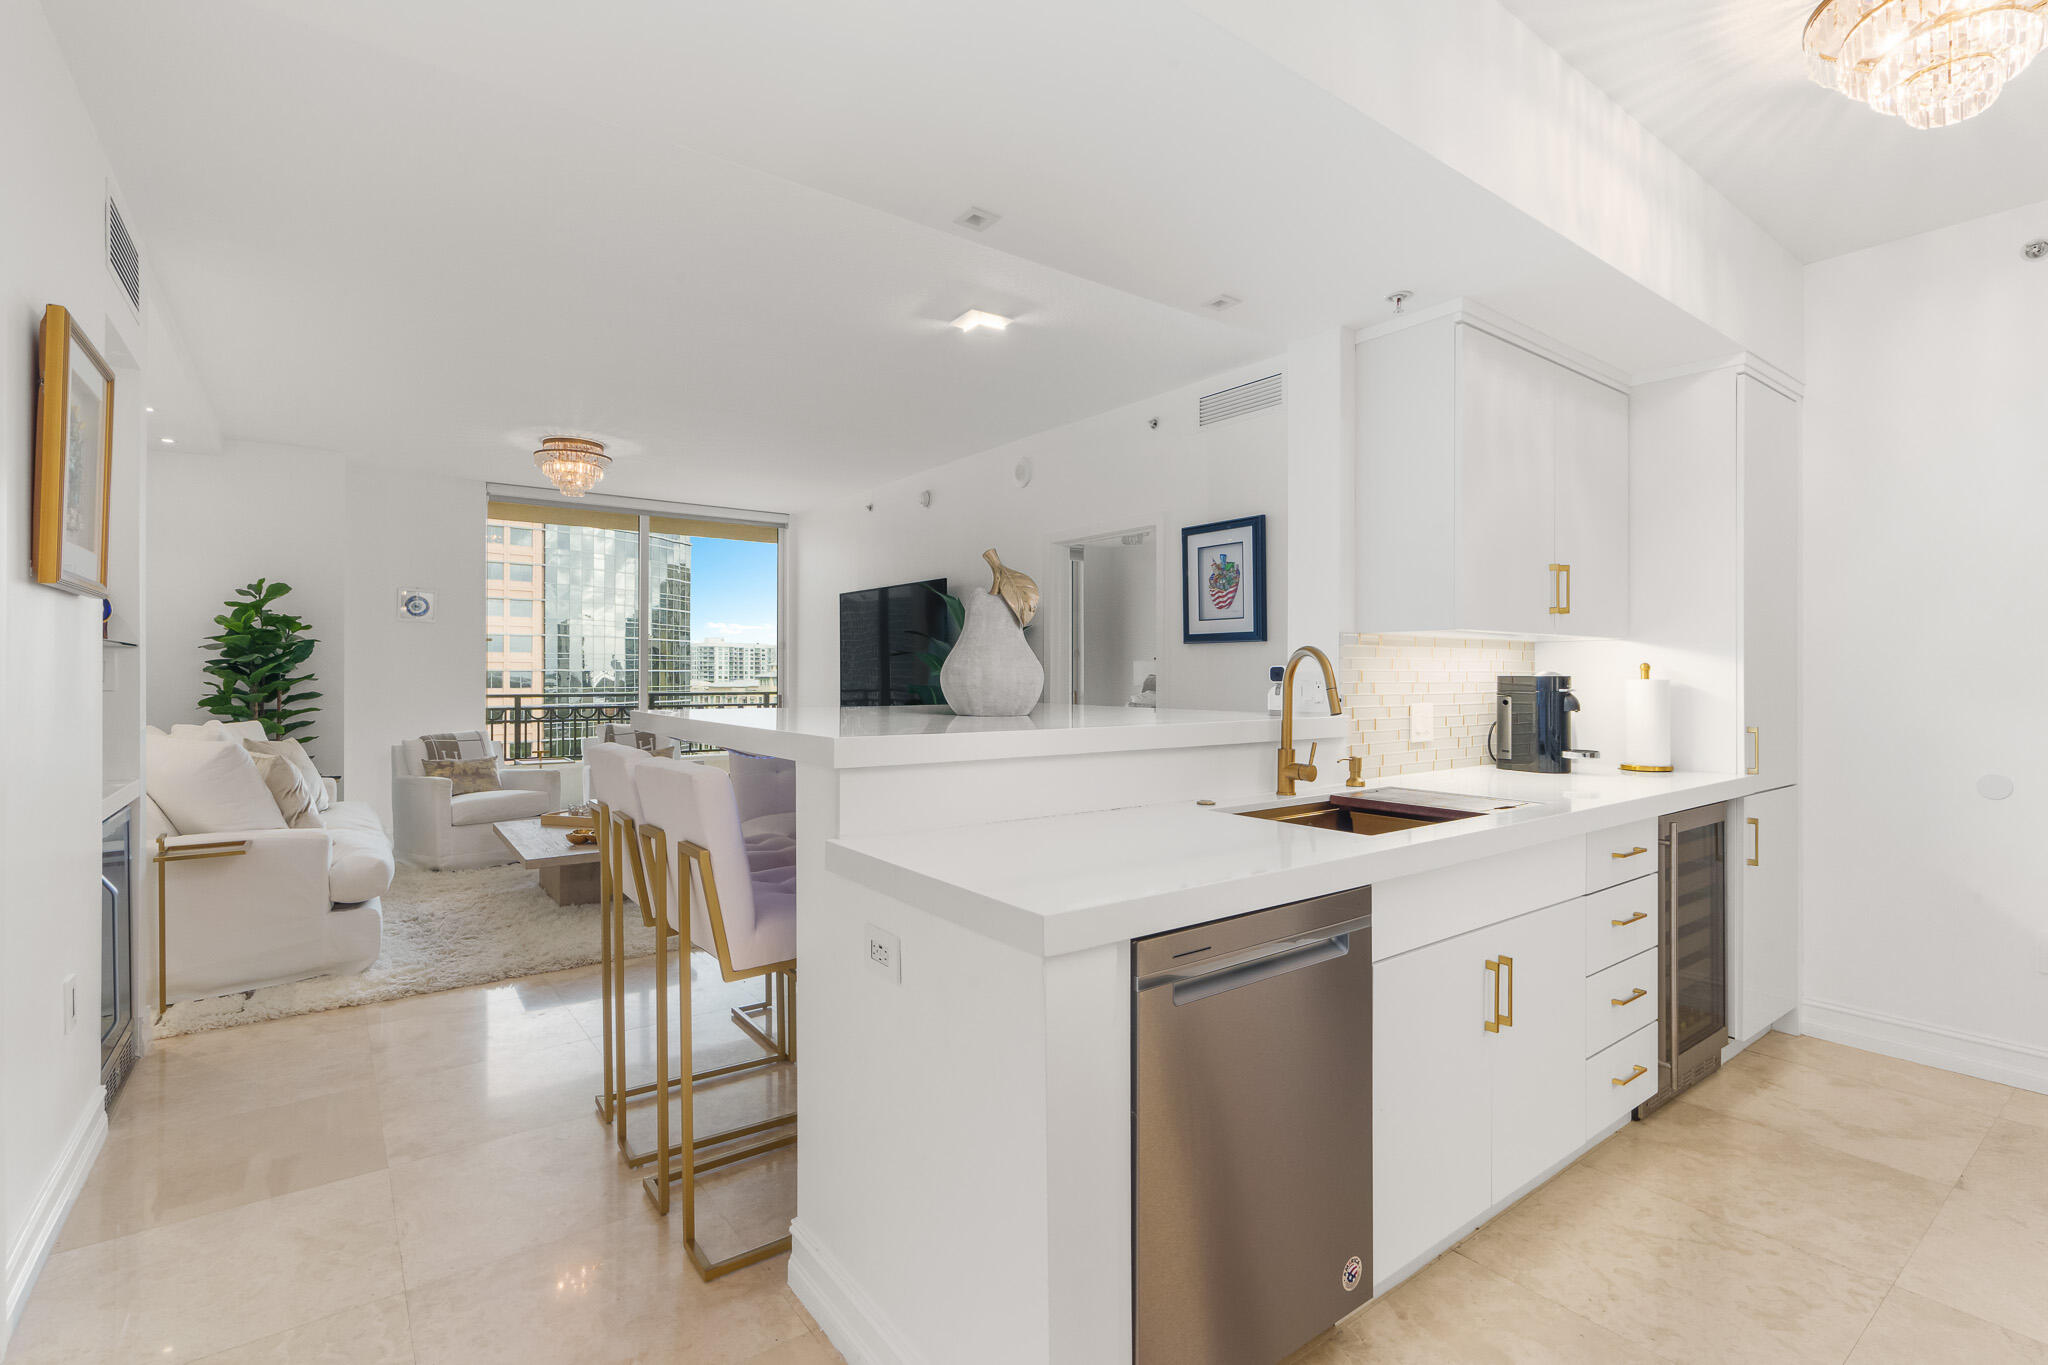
point(1040, 899)
point(916, 735)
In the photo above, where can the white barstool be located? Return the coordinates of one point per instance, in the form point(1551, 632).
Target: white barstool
point(705, 891)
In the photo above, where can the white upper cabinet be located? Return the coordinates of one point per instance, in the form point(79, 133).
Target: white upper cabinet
point(1770, 580)
point(1493, 488)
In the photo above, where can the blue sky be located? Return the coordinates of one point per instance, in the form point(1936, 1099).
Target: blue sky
point(732, 590)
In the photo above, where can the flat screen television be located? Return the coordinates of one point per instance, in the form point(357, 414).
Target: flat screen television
point(891, 642)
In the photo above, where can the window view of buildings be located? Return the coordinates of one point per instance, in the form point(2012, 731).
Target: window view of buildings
point(562, 619)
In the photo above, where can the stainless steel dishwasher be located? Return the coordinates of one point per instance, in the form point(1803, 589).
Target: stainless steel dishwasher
point(1251, 1132)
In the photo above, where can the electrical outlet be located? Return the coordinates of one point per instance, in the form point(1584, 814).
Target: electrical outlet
point(70, 1003)
point(885, 953)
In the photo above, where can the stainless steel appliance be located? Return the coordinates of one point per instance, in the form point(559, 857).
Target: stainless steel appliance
point(1692, 949)
point(1252, 1132)
point(117, 987)
point(1532, 728)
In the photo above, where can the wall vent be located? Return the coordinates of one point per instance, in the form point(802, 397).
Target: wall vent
point(122, 257)
point(1256, 396)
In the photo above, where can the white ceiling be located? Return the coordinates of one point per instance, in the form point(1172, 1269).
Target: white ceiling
point(720, 235)
point(1723, 84)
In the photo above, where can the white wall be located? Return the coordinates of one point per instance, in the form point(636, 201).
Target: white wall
point(1112, 472)
point(217, 522)
point(1926, 420)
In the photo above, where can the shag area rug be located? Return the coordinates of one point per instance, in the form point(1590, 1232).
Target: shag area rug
point(441, 930)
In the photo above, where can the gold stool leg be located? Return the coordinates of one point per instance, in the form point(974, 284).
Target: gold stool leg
point(607, 887)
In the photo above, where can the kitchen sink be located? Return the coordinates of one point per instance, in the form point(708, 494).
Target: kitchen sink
point(1380, 810)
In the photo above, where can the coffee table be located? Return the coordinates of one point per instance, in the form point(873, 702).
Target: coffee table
point(568, 872)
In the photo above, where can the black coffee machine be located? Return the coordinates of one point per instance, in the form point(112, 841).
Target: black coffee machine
point(1532, 728)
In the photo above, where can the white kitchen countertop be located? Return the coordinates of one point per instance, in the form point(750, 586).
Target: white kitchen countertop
point(1064, 883)
point(883, 736)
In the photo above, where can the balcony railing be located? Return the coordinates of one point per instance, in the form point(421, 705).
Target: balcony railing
point(531, 727)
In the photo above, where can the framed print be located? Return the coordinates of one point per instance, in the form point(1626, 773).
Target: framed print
point(415, 604)
point(1223, 581)
point(74, 463)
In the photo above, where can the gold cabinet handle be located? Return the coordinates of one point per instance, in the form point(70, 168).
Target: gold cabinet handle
point(1629, 1079)
point(1493, 1025)
point(1507, 1016)
point(1631, 853)
point(1630, 999)
point(1560, 590)
point(1756, 847)
point(1757, 738)
point(1624, 923)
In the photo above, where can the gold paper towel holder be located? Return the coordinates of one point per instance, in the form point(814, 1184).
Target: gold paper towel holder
point(1637, 767)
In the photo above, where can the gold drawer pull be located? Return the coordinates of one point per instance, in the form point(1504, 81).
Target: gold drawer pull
point(1629, 1079)
point(1631, 853)
point(1624, 923)
point(1492, 1025)
point(1756, 848)
point(1630, 1000)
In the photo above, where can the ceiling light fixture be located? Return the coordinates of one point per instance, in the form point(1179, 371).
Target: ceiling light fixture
point(1931, 62)
point(979, 219)
point(974, 318)
point(166, 440)
point(574, 465)
point(148, 409)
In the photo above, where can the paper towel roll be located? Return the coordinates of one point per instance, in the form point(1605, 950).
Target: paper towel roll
point(1646, 724)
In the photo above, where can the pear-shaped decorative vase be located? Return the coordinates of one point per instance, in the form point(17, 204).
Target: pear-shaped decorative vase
point(991, 670)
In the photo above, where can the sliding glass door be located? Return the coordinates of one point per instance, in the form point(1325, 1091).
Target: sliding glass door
point(592, 611)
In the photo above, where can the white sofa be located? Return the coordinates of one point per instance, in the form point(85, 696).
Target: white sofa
point(294, 903)
point(435, 828)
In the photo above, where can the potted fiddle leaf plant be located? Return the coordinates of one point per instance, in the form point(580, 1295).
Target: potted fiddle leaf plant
point(258, 662)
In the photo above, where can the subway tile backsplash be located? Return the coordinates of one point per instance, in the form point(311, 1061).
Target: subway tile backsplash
point(1384, 676)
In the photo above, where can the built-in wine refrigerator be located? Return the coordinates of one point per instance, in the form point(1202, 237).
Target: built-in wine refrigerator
point(1692, 949)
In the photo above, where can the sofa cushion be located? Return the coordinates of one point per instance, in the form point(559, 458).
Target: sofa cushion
point(295, 752)
point(468, 774)
point(359, 863)
point(487, 808)
point(298, 799)
point(209, 788)
point(223, 730)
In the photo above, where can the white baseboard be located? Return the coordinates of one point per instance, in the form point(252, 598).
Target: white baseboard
point(854, 1323)
point(1971, 1054)
point(52, 1202)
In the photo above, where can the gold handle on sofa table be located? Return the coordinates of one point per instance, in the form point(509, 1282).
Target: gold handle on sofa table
point(1561, 590)
point(1624, 923)
point(1629, 1079)
point(1756, 846)
point(166, 855)
point(1493, 1025)
point(1756, 737)
point(1631, 853)
point(1630, 999)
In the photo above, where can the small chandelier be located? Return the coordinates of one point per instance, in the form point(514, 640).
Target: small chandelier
point(571, 463)
point(1931, 62)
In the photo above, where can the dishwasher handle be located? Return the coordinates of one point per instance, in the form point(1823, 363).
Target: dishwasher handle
point(1261, 969)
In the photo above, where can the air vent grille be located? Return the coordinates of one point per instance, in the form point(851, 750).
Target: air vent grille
point(122, 257)
point(1225, 404)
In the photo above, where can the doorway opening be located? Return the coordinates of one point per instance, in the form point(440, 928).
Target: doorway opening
point(1112, 590)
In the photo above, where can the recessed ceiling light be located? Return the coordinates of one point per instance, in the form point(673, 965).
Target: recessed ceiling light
point(149, 409)
point(974, 318)
point(1221, 302)
point(978, 220)
point(167, 440)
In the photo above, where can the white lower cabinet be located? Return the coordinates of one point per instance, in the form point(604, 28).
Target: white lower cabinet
point(1620, 1077)
point(1465, 1114)
point(1766, 854)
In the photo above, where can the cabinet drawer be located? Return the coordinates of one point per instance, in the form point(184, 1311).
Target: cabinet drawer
point(1606, 1022)
point(1616, 855)
point(1620, 922)
point(1614, 1085)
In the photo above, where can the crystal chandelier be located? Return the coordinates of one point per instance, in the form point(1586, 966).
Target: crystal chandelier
point(1931, 62)
point(571, 463)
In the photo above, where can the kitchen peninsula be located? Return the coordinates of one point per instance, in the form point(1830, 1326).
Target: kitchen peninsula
point(971, 888)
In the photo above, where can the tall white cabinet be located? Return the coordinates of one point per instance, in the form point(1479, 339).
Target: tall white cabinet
point(1493, 488)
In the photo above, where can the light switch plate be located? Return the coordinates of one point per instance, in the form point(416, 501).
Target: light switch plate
point(885, 953)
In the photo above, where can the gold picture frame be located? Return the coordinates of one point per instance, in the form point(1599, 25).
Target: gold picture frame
point(74, 461)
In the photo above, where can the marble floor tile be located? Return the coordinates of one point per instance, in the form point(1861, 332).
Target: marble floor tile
point(1457, 1310)
point(2012, 1163)
point(1912, 1330)
point(252, 1066)
point(478, 1203)
point(2027, 1106)
point(1987, 1253)
point(1919, 1136)
point(1862, 1213)
point(1929, 1083)
point(1667, 1277)
point(181, 1169)
point(809, 1349)
point(372, 1334)
point(620, 1291)
point(196, 1288)
point(460, 1106)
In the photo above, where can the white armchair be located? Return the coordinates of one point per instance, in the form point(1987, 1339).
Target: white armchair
point(435, 828)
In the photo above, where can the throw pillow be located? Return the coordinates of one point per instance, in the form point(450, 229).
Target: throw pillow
point(298, 799)
point(468, 774)
point(206, 787)
point(459, 744)
point(295, 753)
